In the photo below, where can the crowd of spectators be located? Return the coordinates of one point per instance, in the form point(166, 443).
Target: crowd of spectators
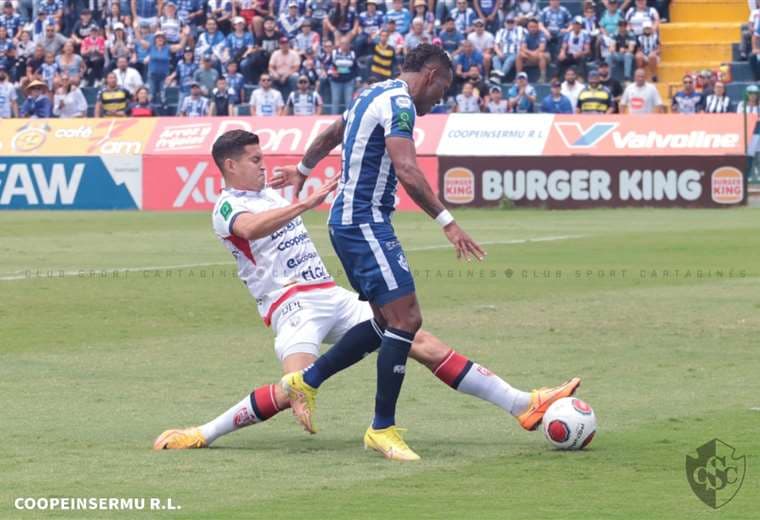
point(303, 57)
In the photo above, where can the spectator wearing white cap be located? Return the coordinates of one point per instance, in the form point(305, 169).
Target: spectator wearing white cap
point(576, 47)
point(495, 103)
point(483, 42)
point(290, 21)
point(751, 102)
point(648, 54)
point(239, 45)
point(640, 13)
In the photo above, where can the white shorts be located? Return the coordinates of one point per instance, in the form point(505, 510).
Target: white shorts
point(308, 319)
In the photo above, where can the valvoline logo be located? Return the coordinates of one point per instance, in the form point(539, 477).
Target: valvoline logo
point(574, 135)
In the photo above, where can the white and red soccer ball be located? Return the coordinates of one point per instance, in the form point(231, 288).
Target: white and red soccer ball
point(569, 424)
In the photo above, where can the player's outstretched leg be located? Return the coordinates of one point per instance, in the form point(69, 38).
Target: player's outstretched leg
point(263, 403)
point(301, 387)
point(469, 377)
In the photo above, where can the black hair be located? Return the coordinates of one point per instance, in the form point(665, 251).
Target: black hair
point(231, 145)
point(424, 54)
point(532, 20)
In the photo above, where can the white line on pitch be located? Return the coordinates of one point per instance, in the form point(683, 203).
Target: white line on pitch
point(56, 273)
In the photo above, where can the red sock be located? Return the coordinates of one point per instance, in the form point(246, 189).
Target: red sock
point(264, 403)
point(452, 369)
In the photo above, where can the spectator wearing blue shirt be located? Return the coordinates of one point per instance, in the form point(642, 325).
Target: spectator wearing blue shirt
point(555, 102)
point(370, 23)
point(489, 11)
point(341, 21)
point(451, 39)
point(290, 21)
point(576, 47)
point(522, 95)
point(158, 60)
point(10, 20)
point(468, 64)
point(239, 45)
point(37, 104)
point(145, 12)
point(318, 10)
point(401, 15)
point(533, 50)
point(190, 12)
point(7, 51)
point(464, 17)
point(183, 73)
point(51, 9)
point(688, 100)
point(507, 47)
point(235, 80)
point(222, 11)
point(555, 22)
point(211, 43)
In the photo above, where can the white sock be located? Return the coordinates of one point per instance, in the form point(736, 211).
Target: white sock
point(471, 378)
point(243, 414)
point(481, 382)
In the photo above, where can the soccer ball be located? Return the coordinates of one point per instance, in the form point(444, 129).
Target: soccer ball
point(569, 424)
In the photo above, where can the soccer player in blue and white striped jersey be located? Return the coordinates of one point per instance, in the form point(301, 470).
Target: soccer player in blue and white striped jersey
point(378, 151)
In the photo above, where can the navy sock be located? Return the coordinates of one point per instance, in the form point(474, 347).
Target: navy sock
point(391, 367)
point(352, 347)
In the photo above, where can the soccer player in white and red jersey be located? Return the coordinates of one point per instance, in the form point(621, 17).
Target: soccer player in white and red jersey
point(299, 300)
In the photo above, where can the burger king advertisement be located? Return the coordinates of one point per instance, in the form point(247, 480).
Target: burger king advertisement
point(577, 182)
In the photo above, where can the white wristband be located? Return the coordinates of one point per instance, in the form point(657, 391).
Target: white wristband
point(303, 170)
point(444, 218)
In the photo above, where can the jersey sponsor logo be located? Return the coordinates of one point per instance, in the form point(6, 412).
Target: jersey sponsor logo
point(226, 210)
point(727, 185)
point(290, 226)
point(298, 260)
point(459, 186)
point(298, 239)
point(405, 120)
point(403, 102)
point(314, 273)
point(399, 369)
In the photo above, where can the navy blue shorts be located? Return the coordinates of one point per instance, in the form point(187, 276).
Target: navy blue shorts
point(375, 264)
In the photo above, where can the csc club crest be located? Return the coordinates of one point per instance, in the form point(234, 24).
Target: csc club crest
point(716, 474)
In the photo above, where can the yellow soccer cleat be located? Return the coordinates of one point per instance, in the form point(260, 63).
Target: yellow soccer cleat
point(302, 399)
point(388, 441)
point(541, 399)
point(189, 438)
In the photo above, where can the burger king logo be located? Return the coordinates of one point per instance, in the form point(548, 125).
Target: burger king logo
point(727, 185)
point(459, 186)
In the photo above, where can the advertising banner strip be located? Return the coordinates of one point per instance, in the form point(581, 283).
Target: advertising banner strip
point(75, 137)
point(113, 182)
point(278, 135)
point(193, 182)
point(571, 182)
point(524, 135)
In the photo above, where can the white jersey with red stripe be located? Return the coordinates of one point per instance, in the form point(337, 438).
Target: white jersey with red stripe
point(274, 267)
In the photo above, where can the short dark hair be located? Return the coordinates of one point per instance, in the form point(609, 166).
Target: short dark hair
point(424, 54)
point(230, 145)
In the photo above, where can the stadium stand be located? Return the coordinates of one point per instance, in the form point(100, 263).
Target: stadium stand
point(701, 38)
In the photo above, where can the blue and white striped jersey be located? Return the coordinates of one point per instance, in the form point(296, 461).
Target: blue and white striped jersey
point(367, 190)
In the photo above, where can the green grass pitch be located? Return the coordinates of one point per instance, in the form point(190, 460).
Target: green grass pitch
point(657, 310)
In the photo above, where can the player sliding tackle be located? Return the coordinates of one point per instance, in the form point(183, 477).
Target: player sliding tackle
point(297, 297)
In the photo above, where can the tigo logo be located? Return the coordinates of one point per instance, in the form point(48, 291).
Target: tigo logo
point(459, 186)
point(727, 185)
point(574, 135)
